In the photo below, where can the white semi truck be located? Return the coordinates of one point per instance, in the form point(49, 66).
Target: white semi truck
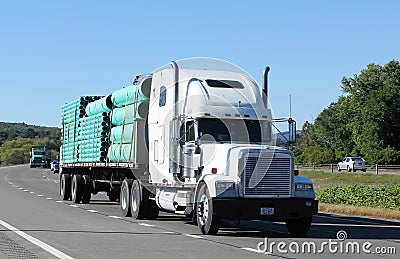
point(204, 149)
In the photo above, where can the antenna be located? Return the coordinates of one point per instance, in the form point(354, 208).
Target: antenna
point(290, 106)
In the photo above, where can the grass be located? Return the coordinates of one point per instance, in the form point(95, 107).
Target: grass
point(323, 180)
point(360, 211)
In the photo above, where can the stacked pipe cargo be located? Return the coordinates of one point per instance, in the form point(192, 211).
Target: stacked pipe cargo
point(71, 113)
point(92, 138)
point(130, 103)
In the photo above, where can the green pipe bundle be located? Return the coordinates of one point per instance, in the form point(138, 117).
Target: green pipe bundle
point(76, 126)
point(130, 113)
point(122, 134)
point(121, 153)
point(100, 106)
point(133, 93)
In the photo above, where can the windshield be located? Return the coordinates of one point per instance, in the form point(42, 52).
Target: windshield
point(234, 130)
point(38, 153)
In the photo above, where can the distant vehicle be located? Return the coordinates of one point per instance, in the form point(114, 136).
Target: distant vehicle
point(55, 166)
point(40, 156)
point(352, 163)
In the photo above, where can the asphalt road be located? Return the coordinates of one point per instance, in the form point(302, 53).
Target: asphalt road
point(36, 223)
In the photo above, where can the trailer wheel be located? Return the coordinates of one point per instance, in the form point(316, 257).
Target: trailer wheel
point(65, 186)
point(87, 189)
point(77, 188)
point(207, 222)
point(299, 226)
point(139, 201)
point(124, 197)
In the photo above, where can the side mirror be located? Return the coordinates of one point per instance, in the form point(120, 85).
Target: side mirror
point(292, 131)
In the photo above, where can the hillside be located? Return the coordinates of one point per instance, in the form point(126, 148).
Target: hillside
point(17, 138)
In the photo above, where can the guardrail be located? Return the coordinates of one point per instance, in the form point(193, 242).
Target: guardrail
point(333, 167)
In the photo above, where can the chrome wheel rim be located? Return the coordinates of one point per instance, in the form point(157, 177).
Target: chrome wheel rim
point(203, 209)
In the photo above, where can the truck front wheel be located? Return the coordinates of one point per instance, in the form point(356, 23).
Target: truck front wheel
point(207, 222)
point(299, 226)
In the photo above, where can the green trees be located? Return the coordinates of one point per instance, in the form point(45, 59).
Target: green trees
point(16, 140)
point(16, 151)
point(364, 121)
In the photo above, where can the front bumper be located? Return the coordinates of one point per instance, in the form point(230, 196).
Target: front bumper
point(284, 209)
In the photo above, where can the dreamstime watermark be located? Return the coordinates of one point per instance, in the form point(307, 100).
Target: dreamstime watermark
point(334, 246)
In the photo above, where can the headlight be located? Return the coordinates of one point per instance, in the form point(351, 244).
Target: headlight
point(304, 187)
point(225, 188)
point(222, 186)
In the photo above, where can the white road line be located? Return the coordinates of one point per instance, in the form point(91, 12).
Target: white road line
point(31, 192)
point(115, 217)
point(26, 190)
point(60, 201)
point(40, 195)
point(10, 183)
point(49, 198)
point(93, 211)
point(57, 253)
point(20, 188)
point(74, 206)
point(55, 181)
point(146, 225)
point(354, 225)
point(194, 236)
point(254, 250)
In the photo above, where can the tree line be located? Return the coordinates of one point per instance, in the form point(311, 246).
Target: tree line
point(17, 139)
point(365, 120)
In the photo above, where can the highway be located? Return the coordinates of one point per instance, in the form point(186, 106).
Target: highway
point(36, 223)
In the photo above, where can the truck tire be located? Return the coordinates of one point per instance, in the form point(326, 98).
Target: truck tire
point(139, 201)
point(65, 186)
point(299, 226)
point(125, 197)
point(207, 222)
point(77, 188)
point(87, 189)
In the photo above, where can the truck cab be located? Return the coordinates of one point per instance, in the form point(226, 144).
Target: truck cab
point(212, 154)
point(40, 156)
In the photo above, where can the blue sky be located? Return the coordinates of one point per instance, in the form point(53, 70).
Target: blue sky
point(51, 52)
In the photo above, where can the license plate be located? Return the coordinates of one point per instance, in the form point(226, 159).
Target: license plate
point(267, 211)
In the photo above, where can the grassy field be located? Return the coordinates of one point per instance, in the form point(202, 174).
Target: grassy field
point(323, 181)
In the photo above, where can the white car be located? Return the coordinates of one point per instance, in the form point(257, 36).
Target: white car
point(352, 163)
point(55, 166)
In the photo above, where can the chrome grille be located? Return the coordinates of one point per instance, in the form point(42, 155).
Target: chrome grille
point(267, 175)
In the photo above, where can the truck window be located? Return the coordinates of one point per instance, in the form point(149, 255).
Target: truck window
point(163, 96)
point(235, 130)
point(224, 84)
point(187, 132)
point(190, 131)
